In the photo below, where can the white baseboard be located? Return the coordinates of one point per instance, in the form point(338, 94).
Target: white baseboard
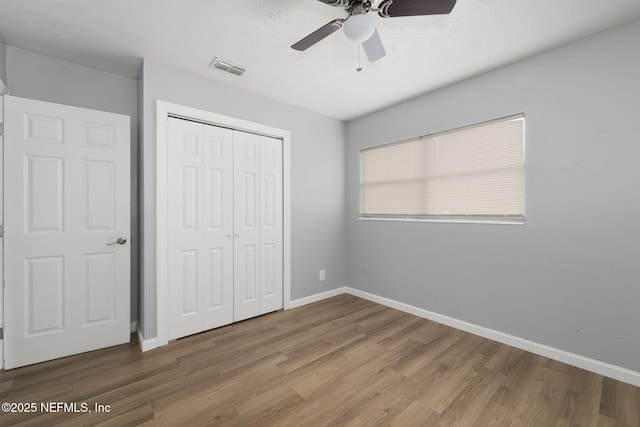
point(146, 345)
point(592, 365)
point(134, 327)
point(317, 297)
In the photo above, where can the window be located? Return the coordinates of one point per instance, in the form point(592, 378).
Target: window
point(471, 173)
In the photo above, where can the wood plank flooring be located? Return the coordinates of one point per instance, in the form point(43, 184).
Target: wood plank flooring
point(338, 362)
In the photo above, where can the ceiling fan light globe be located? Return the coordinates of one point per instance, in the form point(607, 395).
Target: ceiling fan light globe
point(359, 28)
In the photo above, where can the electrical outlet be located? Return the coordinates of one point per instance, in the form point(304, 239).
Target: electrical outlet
point(321, 275)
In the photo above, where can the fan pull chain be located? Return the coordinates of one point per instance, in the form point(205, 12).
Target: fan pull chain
point(359, 64)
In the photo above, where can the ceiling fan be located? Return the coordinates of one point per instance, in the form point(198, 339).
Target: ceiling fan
point(360, 28)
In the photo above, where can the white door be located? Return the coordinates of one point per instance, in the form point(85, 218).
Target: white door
point(200, 217)
point(67, 205)
point(225, 229)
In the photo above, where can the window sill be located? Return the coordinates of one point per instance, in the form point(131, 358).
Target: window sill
point(496, 221)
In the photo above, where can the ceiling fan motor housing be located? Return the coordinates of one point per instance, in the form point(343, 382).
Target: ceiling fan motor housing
point(352, 6)
point(359, 28)
point(342, 3)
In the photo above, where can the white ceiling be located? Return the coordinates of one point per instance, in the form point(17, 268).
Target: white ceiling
point(423, 53)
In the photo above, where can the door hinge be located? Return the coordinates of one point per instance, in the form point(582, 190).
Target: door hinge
point(1, 129)
point(1, 230)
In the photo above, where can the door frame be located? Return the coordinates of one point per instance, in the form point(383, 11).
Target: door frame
point(164, 110)
point(3, 92)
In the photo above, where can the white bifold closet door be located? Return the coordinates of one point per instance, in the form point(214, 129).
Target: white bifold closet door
point(225, 226)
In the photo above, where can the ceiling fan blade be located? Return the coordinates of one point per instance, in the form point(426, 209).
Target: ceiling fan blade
point(373, 47)
point(319, 34)
point(393, 8)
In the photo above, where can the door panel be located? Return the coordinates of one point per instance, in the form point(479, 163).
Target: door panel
point(44, 194)
point(271, 220)
point(43, 129)
point(185, 228)
point(218, 233)
point(200, 227)
point(215, 191)
point(100, 288)
point(246, 231)
point(67, 291)
point(45, 295)
point(189, 283)
point(189, 197)
point(98, 135)
point(216, 278)
point(99, 195)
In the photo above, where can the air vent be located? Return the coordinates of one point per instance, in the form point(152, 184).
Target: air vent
point(224, 65)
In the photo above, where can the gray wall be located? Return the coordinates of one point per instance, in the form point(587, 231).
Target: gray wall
point(318, 229)
point(36, 76)
point(570, 277)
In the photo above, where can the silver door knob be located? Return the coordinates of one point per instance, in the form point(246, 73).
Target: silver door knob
point(120, 241)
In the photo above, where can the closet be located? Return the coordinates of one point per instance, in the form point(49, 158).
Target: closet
point(225, 227)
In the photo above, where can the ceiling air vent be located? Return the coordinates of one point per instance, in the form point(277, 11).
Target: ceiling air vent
point(224, 65)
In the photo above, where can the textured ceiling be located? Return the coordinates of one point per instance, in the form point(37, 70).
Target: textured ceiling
point(423, 53)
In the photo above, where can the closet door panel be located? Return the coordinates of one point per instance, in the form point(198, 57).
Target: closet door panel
point(246, 225)
point(185, 218)
point(217, 286)
point(271, 289)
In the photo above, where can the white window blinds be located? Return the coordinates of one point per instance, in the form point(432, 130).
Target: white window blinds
point(476, 171)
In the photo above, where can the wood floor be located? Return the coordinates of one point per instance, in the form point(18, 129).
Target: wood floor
point(342, 361)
